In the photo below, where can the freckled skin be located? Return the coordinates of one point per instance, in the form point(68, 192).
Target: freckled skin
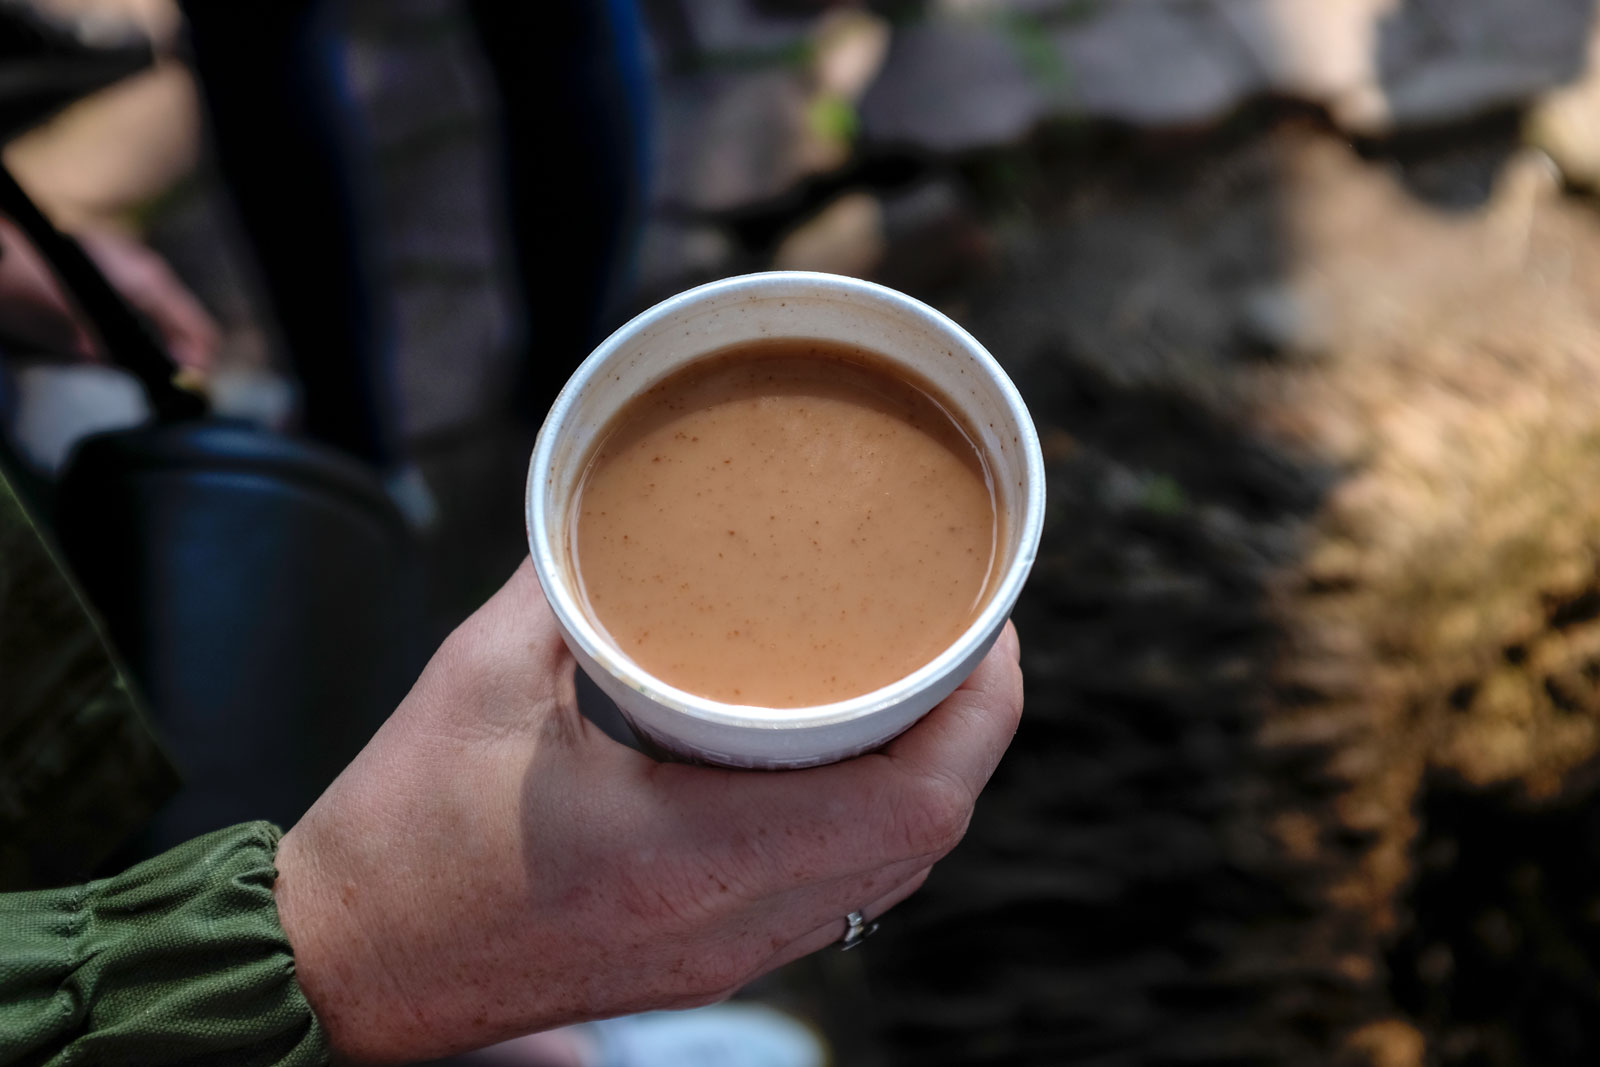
point(491, 865)
point(826, 525)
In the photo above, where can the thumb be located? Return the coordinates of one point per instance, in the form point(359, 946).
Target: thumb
point(505, 668)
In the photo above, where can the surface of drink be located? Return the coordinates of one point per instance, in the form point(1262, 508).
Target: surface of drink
point(784, 524)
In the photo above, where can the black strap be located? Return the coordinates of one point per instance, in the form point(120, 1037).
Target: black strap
point(127, 339)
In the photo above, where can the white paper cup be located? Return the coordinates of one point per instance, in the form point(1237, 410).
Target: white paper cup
point(686, 327)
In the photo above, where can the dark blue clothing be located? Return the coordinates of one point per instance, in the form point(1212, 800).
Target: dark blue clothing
point(573, 98)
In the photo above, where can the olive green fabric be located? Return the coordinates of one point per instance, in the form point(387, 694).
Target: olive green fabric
point(178, 960)
point(80, 769)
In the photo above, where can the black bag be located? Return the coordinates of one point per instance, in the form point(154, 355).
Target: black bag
point(265, 592)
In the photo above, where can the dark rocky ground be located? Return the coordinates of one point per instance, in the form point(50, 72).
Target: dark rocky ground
point(1307, 773)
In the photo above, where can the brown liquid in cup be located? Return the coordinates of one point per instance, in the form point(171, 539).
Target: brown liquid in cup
point(784, 523)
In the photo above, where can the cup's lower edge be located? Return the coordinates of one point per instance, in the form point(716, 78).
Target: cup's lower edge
point(675, 749)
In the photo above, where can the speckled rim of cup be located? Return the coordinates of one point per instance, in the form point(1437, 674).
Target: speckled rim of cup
point(545, 530)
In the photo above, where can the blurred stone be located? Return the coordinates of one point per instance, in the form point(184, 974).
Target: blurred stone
point(730, 140)
point(1155, 64)
point(850, 49)
point(981, 73)
point(1440, 61)
point(1449, 90)
point(1378, 65)
point(1319, 50)
point(959, 83)
point(1566, 125)
point(951, 85)
point(846, 237)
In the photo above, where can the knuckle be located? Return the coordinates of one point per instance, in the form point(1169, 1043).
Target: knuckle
point(934, 816)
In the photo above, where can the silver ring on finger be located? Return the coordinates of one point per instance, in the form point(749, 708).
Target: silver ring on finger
point(857, 930)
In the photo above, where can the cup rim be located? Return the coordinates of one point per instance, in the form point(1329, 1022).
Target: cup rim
point(577, 625)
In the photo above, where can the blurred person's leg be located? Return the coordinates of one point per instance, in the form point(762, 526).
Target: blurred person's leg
point(574, 97)
point(289, 138)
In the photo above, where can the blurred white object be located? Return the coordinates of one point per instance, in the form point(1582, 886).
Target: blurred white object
point(254, 394)
point(59, 404)
point(721, 1035)
point(410, 493)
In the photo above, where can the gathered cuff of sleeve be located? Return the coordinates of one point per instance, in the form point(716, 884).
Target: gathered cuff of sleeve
point(180, 959)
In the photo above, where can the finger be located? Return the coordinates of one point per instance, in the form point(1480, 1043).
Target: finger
point(514, 650)
point(519, 617)
point(774, 832)
point(806, 908)
point(832, 931)
point(787, 932)
point(502, 662)
point(967, 734)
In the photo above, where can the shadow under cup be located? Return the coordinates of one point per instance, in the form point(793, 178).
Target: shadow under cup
point(907, 334)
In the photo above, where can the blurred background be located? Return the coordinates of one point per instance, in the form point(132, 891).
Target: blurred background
point(1304, 296)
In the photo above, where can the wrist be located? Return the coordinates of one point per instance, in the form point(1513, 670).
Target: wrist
point(331, 954)
point(375, 951)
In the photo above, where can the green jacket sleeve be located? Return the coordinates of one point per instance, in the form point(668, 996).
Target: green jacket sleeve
point(178, 960)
